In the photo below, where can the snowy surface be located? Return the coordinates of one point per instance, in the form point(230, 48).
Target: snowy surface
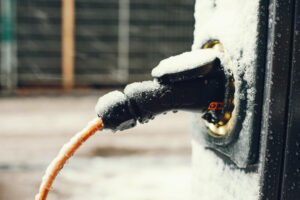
point(150, 160)
point(184, 62)
point(213, 179)
point(220, 181)
point(234, 24)
point(127, 178)
point(138, 87)
point(108, 100)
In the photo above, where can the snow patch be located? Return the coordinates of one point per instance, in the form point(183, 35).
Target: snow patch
point(107, 101)
point(214, 180)
point(234, 24)
point(127, 178)
point(138, 87)
point(184, 62)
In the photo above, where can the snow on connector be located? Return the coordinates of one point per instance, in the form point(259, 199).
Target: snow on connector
point(138, 87)
point(107, 101)
point(185, 61)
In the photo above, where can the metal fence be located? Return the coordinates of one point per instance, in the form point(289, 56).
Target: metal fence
point(116, 41)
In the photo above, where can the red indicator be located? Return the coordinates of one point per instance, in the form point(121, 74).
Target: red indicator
point(215, 106)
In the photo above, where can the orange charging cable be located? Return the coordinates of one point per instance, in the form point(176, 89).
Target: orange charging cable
point(65, 153)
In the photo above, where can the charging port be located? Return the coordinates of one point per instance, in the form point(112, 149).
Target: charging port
point(219, 117)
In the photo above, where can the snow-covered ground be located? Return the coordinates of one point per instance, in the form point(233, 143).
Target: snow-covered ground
point(150, 162)
point(126, 178)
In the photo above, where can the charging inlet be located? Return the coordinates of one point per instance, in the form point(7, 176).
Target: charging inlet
point(219, 117)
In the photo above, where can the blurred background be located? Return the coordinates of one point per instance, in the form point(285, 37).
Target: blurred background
point(57, 58)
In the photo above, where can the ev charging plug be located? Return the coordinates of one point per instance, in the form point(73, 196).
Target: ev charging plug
point(191, 81)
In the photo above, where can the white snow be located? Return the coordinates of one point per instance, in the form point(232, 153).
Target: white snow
point(138, 87)
point(184, 61)
point(114, 97)
point(108, 100)
point(234, 24)
point(127, 178)
point(215, 180)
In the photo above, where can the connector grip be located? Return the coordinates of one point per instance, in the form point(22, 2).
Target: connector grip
point(143, 101)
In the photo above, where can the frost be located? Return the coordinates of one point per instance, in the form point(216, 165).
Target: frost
point(184, 61)
point(138, 87)
point(116, 97)
point(107, 101)
point(234, 24)
point(213, 179)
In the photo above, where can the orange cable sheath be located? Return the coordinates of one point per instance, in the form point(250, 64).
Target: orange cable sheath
point(46, 184)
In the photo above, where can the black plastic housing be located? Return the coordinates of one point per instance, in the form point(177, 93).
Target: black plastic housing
point(162, 95)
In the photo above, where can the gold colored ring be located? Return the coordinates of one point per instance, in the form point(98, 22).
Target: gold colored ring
point(225, 125)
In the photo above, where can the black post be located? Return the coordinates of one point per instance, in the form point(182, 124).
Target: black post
point(280, 127)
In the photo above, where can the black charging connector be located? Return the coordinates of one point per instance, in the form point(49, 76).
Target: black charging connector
point(191, 90)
